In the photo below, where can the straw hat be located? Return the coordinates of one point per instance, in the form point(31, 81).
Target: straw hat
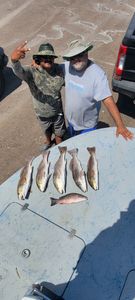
point(76, 47)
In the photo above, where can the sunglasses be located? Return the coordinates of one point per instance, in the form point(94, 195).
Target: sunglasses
point(75, 57)
point(46, 58)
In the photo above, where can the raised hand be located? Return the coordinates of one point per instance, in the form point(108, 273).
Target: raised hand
point(19, 52)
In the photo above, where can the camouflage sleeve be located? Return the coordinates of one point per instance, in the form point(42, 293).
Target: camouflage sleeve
point(23, 72)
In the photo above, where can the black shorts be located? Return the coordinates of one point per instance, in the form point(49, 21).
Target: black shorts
point(54, 125)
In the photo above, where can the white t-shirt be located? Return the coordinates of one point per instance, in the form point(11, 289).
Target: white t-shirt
point(84, 92)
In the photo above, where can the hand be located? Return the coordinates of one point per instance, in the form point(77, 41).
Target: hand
point(19, 52)
point(33, 64)
point(127, 134)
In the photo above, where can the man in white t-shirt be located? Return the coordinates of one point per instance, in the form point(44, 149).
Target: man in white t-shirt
point(86, 86)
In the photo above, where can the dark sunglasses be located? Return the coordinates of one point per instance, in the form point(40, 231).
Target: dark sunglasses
point(76, 56)
point(47, 58)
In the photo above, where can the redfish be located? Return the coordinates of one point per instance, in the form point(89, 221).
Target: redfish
point(25, 180)
point(92, 169)
point(59, 175)
point(77, 170)
point(42, 175)
point(68, 199)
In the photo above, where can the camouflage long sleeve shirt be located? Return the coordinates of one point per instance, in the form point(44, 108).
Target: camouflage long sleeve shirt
point(45, 88)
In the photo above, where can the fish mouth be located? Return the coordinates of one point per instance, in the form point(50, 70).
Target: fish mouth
point(39, 185)
point(21, 197)
point(95, 187)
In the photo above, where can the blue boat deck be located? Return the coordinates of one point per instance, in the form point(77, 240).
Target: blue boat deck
point(89, 245)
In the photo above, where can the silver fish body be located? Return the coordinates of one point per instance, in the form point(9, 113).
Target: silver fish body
point(68, 199)
point(25, 181)
point(77, 170)
point(92, 169)
point(59, 175)
point(42, 175)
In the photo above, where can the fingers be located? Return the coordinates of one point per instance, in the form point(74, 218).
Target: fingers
point(20, 52)
point(127, 134)
point(23, 47)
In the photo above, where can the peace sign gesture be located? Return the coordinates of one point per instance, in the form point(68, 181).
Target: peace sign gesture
point(19, 52)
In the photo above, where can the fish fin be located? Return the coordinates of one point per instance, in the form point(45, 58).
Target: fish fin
point(53, 201)
point(62, 149)
point(73, 151)
point(92, 150)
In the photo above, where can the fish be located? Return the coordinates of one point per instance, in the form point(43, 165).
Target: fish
point(68, 199)
point(42, 176)
point(77, 170)
point(92, 169)
point(25, 180)
point(60, 171)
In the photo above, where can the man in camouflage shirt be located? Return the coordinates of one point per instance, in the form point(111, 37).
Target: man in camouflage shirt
point(45, 83)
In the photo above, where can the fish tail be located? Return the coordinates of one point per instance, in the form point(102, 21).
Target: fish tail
point(73, 151)
point(92, 150)
point(62, 149)
point(53, 201)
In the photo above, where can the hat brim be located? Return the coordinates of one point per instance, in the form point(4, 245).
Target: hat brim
point(73, 52)
point(44, 53)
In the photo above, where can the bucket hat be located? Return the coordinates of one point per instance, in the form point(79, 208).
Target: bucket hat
point(45, 50)
point(76, 47)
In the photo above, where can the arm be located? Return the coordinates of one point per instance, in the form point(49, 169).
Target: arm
point(20, 71)
point(114, 112)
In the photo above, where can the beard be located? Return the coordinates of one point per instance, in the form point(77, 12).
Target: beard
point(80, 65)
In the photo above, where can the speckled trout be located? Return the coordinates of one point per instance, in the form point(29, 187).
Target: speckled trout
point(68, 199)
point(92, 169)
point(77, 170)
point(42, 175)
point(25, 180)
point(59, 175)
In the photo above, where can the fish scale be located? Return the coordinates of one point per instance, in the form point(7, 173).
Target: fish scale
point(68, 199)
point(59, 175)
point(92, 169)
point(42, 175)
point(25, 181)
point(77, 170)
